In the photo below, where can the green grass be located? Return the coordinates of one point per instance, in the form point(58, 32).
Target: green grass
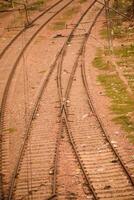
point(4, 5)
point(125, 56)
point(99, 63)
point(125, 51)
point(122, 102)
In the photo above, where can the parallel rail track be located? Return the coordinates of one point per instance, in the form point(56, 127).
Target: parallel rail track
point(75, 140)
point(14, 67)
point(63, 99)
point(25, 28)
point(45, 82)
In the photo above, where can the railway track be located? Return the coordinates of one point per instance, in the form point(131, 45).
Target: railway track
point(10, 74)
point(40, 171)
point(25, 28)
point(33, 113)
point(108, 175)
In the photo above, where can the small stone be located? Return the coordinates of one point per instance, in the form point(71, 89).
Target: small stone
point(51, 172)
point(68, 101)
point(84, 116)
point(107, 187)
point(100, 169)
point(113, 142)
point(116, 132)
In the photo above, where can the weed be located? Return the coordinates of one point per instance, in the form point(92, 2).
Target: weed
point(42, 72)
point(99, 63)
point(59, 25)
point(125, 51)
point(122, 103)
point(36, 5)
point(82, 1)
point(4, 5)
point(11, 130)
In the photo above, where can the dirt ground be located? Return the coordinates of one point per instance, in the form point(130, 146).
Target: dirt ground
point(46, 42)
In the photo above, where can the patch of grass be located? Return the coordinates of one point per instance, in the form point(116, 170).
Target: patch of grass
point(82, 1)
point(71, 12)
point(11, 130)
point(103, 33)
point(4, 5)
point(131, 137)
point(42, 72)
point(120, 26)
point(122, 102)
point(125, 51)
point(36, 5)
point(101, 60)
point(116, 31)
point(126, 123)
point(60, 24)
point(99, 63)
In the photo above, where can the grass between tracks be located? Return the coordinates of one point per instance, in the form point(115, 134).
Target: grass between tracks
point(122, 103)
point(4, 5)
point(122, 100)
point(11, 130)
point(82, 1)
point(36, 5)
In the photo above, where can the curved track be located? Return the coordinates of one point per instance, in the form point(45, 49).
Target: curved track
point(14, 67)
point(119, 170)
point(25, 28)
point(26, 139)
point(87, 151)
point(106, 171)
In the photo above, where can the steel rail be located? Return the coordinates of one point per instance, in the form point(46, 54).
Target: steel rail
point(80, 53)
point(25, 28)
point(64, 113)
point(36, 104)
point(60, 90)
point(89, 184)
point(65, 48)
point(64, 110)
